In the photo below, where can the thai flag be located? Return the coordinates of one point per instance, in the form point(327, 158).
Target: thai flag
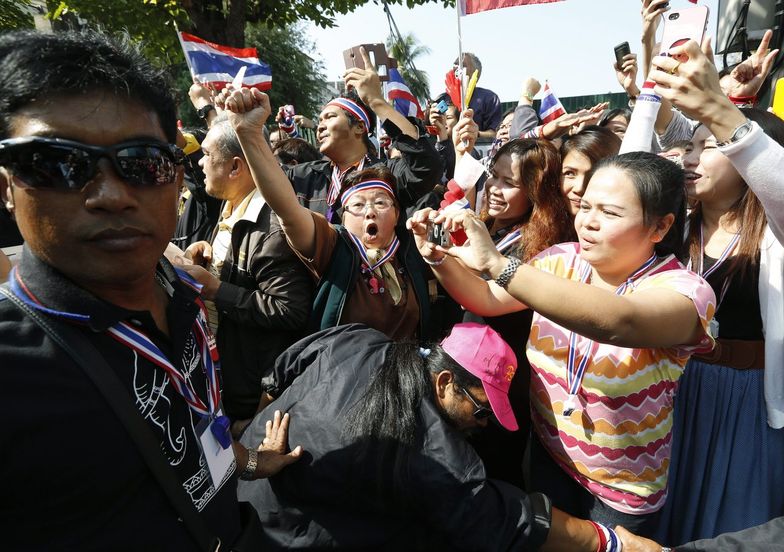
point(467, 7)
point(402, 98)
point(218, 65)
point(551, 107)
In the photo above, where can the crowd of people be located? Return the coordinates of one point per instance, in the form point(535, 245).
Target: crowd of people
point(229, 339)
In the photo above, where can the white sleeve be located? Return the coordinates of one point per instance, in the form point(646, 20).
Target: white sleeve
point(760, 161)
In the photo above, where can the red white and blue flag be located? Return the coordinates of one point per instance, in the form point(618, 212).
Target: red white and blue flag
point(467, 7)
point(218, 65)
point(401, 97)
point(551, 107)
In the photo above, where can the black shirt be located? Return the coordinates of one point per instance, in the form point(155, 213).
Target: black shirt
point(73, 478)
point(738, 313)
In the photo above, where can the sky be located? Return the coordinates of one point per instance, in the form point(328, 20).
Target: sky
point(568, 43)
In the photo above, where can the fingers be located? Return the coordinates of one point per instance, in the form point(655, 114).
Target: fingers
point(764, 44)
point(365, 58)
point(767, 63)
point(276, 432)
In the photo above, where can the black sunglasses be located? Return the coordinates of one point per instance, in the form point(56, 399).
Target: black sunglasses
point(67, 165)
point(481, 412)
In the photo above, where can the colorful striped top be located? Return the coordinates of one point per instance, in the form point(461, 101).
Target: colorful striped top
point(616, 443)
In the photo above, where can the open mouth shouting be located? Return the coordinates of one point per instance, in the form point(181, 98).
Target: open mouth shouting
point(371, 232)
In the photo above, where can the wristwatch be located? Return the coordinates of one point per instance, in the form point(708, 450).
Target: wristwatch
point(737, 134)
point(249, 473)
point(202, 112)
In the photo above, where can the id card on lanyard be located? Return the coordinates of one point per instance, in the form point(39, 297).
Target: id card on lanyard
point(213, 428)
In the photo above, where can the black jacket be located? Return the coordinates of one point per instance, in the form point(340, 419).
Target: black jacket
point(264, 302)
point(416, 172)
point(329, 499)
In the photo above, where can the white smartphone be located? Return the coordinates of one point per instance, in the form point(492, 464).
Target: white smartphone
point(680, 26)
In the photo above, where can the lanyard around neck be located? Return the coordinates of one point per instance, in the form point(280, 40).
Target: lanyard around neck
point(337, 180)
point(575, 374)
point(143, 345)
point(368, 266)
point(724, 256)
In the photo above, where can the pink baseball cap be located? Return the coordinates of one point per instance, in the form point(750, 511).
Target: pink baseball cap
point(480, 350)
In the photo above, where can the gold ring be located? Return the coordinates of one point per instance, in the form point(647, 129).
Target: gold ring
point(674, 70)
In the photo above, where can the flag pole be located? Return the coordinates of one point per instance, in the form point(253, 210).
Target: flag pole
point(458, 5)
point(182, 45)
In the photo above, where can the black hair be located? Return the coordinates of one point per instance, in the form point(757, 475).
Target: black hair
point(594, 142)
point(611, 114)
point(354, 120)
point(388, 410)
point(748, 210)
point(660, 185)
point(292, 151)
point(38, 66)
point(445, 97)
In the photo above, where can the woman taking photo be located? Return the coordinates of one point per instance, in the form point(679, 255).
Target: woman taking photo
point(525, 213)
point(616, 317)
point(366, 272)
point(728, 438)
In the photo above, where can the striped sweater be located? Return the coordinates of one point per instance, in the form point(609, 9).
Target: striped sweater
point(616, 444)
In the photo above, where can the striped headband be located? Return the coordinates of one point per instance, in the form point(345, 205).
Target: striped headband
point(354, 109)
point(366, 185)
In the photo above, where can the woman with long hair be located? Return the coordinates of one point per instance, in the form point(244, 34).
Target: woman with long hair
point(616, 317)
point(579, 155)
point(728, 439)
point(525, 213)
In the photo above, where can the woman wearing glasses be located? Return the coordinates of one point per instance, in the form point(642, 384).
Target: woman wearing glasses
point(616, 317)
point(367, 272)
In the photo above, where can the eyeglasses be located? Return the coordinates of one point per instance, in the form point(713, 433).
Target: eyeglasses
point(67, 165)
point(381, 204)
point(481, 412)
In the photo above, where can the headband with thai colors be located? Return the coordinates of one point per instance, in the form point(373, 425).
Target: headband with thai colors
point(366, 185)
point(354, 109)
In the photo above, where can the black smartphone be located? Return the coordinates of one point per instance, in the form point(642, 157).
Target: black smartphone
point(620, 51)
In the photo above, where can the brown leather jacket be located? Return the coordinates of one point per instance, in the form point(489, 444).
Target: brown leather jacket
point(264, 302)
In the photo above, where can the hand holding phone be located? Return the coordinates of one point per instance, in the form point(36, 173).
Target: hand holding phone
point(378, 57)
point(620, 51)
point(680, 26)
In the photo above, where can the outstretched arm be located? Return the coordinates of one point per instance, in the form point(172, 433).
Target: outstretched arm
point(651, 318)
point(464, 286)
point(249, 109)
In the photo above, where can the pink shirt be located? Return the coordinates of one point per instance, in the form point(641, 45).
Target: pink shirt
point(616, 443)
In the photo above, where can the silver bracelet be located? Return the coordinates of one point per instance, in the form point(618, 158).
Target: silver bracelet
point(508, 272)
point(249, 473)
point(439, 262)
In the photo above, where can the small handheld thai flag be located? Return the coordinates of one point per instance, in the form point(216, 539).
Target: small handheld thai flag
point(551, 107)
point(217, 65)
point(402, 98)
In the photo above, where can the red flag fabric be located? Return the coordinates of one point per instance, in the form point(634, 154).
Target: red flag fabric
point(467, 7)
point(453, 89)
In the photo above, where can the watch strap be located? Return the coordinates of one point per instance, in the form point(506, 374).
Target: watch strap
point(249, 473)
point(737, 134)
point(202, 112)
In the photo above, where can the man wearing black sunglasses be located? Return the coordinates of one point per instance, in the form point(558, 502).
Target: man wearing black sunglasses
point(91, 176)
